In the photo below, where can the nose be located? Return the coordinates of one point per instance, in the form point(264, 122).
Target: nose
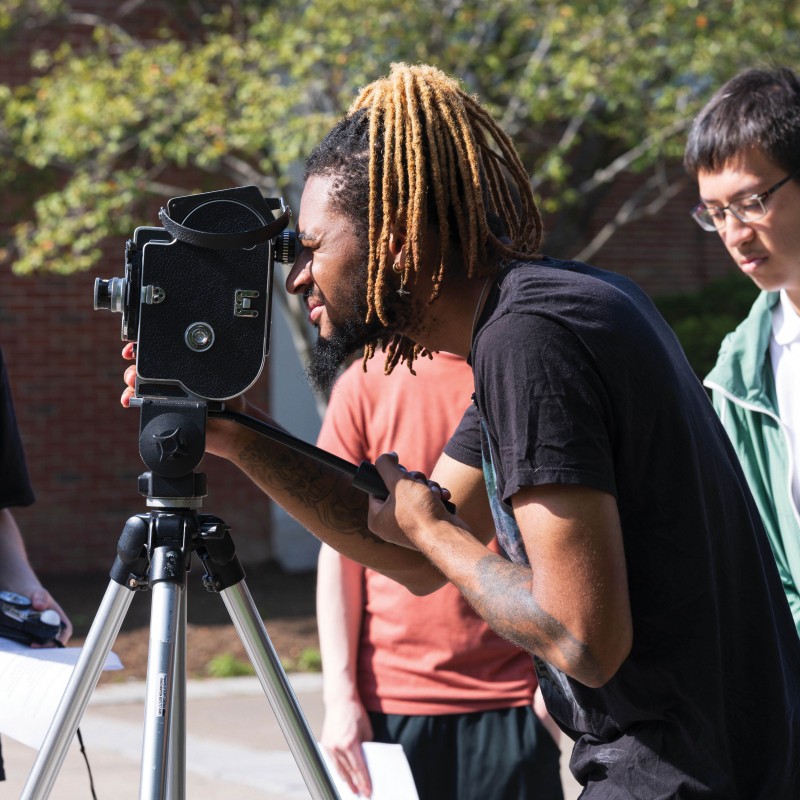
point(736, 232)
point(299, 276)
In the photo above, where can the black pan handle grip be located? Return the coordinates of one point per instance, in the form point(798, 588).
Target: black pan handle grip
point(368, 479)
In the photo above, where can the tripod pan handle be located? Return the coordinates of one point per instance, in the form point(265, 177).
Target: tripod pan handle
point(368, 479)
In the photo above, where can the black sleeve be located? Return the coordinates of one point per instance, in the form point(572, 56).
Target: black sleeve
point(15, 487)
point(546, 406)
point(465, 443)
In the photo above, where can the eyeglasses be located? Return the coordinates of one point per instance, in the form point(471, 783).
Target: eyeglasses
point(746, 210)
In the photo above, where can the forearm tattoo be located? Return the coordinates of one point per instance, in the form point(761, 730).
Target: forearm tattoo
point(314, 486)
point(504, 597)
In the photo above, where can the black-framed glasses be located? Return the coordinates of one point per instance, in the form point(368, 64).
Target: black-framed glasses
point(746, 210)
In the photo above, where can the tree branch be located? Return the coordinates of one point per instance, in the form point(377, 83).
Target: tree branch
point(631, 210)
point(620, 164)
point(96, 21)
point(242, 171)
point(568, 135)
point(532, 64)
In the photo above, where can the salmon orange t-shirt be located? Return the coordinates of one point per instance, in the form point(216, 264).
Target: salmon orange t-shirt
point(433, 654)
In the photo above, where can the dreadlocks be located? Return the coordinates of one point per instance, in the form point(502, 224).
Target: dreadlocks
point(415, 150)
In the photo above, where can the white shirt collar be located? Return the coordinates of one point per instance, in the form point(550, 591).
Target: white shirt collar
point(785, 321)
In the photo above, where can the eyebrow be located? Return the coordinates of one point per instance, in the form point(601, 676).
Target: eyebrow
point(305, 236)
point(744, 194)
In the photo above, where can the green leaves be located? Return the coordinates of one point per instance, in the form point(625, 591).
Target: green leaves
point(240, 92)
point(68, 226)
point(16, 15)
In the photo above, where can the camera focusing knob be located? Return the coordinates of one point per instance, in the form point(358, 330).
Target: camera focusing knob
point(199, 337)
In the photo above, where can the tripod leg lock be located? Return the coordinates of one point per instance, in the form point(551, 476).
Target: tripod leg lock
point(131, 564)
point(218, 553)
point(168, 565)
point(171, 534)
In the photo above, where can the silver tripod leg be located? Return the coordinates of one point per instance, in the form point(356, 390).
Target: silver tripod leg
point(79, 689)
point(163, 746)
point(279, 692)
point(176, 773)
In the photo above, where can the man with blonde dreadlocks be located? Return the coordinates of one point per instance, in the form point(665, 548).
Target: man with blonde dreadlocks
point(636, 570)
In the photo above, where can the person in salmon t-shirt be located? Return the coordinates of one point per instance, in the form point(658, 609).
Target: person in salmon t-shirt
point(423, 672)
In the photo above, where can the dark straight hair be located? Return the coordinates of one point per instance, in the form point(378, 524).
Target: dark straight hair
point(758, 108)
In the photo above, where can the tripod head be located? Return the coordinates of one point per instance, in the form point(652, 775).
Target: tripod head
point(172, 443)
point(172, 439)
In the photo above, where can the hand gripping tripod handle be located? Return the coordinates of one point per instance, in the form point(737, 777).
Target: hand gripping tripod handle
point(365, 476)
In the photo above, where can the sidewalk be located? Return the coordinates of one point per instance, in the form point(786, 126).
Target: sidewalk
point(234, 746)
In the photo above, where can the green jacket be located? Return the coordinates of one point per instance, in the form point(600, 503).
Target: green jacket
point(743, 393)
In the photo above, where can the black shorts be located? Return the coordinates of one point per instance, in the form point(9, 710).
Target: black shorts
point(506, 754)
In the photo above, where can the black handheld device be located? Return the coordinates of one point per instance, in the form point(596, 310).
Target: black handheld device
point(20, 622)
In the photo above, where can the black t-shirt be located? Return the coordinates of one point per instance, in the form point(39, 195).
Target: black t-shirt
point(580, 381)
point(15, 487)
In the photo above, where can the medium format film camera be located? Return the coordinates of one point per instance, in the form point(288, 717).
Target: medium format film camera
point(197, 293)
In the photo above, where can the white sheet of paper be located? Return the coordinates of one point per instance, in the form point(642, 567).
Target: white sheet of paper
point(388, 767)
point(32, 682)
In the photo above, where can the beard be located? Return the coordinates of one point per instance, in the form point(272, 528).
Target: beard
point(348, 337)
point(329, 354)
point(354, 334)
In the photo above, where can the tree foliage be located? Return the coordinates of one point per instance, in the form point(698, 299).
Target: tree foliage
point(213, 94)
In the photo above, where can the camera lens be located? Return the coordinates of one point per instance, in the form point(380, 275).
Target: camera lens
point(102, 294)
point(199, 337)
point(109, 295)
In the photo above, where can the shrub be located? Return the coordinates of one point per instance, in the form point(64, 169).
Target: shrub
point(701, 319)
point(227, 665)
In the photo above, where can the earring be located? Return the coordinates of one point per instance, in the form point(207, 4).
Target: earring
point(402, 291)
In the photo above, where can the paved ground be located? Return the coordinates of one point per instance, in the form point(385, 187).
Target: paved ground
point(235, 747)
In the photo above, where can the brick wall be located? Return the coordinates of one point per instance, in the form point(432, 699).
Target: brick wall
point(664, 253)
point(66, 372)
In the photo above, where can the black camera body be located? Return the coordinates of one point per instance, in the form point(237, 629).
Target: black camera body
point(19, 621)
point(197, 292)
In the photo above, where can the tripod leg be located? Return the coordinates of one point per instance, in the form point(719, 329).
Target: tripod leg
point(81, 684)
point(164, 719)
point(224, 574)
point(176, 773)
point(279, 692)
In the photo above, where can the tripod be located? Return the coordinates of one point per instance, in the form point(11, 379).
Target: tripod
point(154, 552)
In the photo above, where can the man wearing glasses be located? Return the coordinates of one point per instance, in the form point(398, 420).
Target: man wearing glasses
point(744, 149)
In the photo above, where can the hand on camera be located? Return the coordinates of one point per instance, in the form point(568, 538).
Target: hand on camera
point(221, 435)
point(129, 376)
